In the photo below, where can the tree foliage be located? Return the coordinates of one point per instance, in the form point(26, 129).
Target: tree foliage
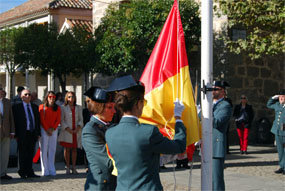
point(35, 46)
point(43, 47)
point(86, 43)
point(263, 21)
point(128, 32)
point(7, 48)
point(8, 53)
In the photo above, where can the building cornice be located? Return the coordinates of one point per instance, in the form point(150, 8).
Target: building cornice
point(31, 16)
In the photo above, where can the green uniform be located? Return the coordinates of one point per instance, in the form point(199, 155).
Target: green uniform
point(100, 165)
point(221, 115)
point(278, 128)
point(136, 149)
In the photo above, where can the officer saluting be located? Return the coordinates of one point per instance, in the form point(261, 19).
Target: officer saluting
point(277, 103)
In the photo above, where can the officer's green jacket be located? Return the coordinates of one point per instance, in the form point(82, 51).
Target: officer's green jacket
point(221, 115)
point(136, 149)
point(100, 166)
point(278, 127)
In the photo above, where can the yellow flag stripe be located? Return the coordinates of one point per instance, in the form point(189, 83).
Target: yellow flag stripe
point(159, 108)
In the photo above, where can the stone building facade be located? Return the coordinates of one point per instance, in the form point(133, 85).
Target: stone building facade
point(258, 80)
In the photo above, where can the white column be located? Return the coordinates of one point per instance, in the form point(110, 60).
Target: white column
point(206, 99)
point(49, 82)
point(27, 79)
point(50, 78)
point(7, 89)
point(52, 81)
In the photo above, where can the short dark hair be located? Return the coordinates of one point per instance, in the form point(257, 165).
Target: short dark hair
point(20, 89)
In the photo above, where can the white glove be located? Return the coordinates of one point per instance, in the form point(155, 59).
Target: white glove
point(178, 108)
point(198, 143)
point(275, 97)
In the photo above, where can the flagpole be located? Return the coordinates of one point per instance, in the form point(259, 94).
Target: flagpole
point(177, 53)
point(206, 98)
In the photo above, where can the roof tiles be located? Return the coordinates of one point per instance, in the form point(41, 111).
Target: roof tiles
point(35, 6)
point(87, 24)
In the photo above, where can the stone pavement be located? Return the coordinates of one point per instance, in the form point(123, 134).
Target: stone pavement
point(254, 171)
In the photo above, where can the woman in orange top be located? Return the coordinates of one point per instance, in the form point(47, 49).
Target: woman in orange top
point(50, 114)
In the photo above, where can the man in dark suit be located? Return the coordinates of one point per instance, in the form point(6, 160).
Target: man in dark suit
point(221, 115)
point(7, 130)
point(27, 125)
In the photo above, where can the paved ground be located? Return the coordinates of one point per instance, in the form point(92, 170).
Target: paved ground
point(243, 172)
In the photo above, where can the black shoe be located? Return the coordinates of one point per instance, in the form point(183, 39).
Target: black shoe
point(178, 167)
point(279, 171)
point(6, 177)
point(23, 176)
point(245, 152)
point(186, 167)
point(162, 167)
point(33, 176)
point(241, 152)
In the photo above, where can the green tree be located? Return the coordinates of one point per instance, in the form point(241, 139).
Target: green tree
point(128, 32)
point(87, 45)
point(43, 48)
point(263, 22)
point(7, 52)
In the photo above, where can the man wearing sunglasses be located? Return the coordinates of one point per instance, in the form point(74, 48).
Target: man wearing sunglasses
point(27, 127)
point(221, 115)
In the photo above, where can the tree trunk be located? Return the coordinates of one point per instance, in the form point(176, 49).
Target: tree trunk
point(11, 84)
point(62, 81)
point(86, 78)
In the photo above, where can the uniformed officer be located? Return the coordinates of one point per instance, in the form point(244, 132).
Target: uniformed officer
point(136, 147)
point(99, 176)
point(221, 115)
point(277, 103)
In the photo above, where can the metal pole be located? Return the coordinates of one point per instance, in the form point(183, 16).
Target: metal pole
point(206, 99)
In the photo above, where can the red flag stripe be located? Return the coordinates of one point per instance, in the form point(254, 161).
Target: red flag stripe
point(164, 56)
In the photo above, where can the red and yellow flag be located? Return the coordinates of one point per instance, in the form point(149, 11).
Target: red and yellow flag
point(166, 77)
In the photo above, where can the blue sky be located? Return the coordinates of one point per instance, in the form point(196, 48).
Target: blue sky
point(5, 5)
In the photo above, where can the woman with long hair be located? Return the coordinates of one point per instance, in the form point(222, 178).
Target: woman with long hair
point(50, 114)
point(243, 114)
point(136, 147)
point(100, 104)
point(71, 125)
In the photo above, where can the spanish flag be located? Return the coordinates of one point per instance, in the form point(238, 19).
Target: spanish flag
point(166, 77)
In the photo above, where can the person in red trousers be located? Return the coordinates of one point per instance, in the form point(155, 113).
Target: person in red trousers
point(243, 114)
